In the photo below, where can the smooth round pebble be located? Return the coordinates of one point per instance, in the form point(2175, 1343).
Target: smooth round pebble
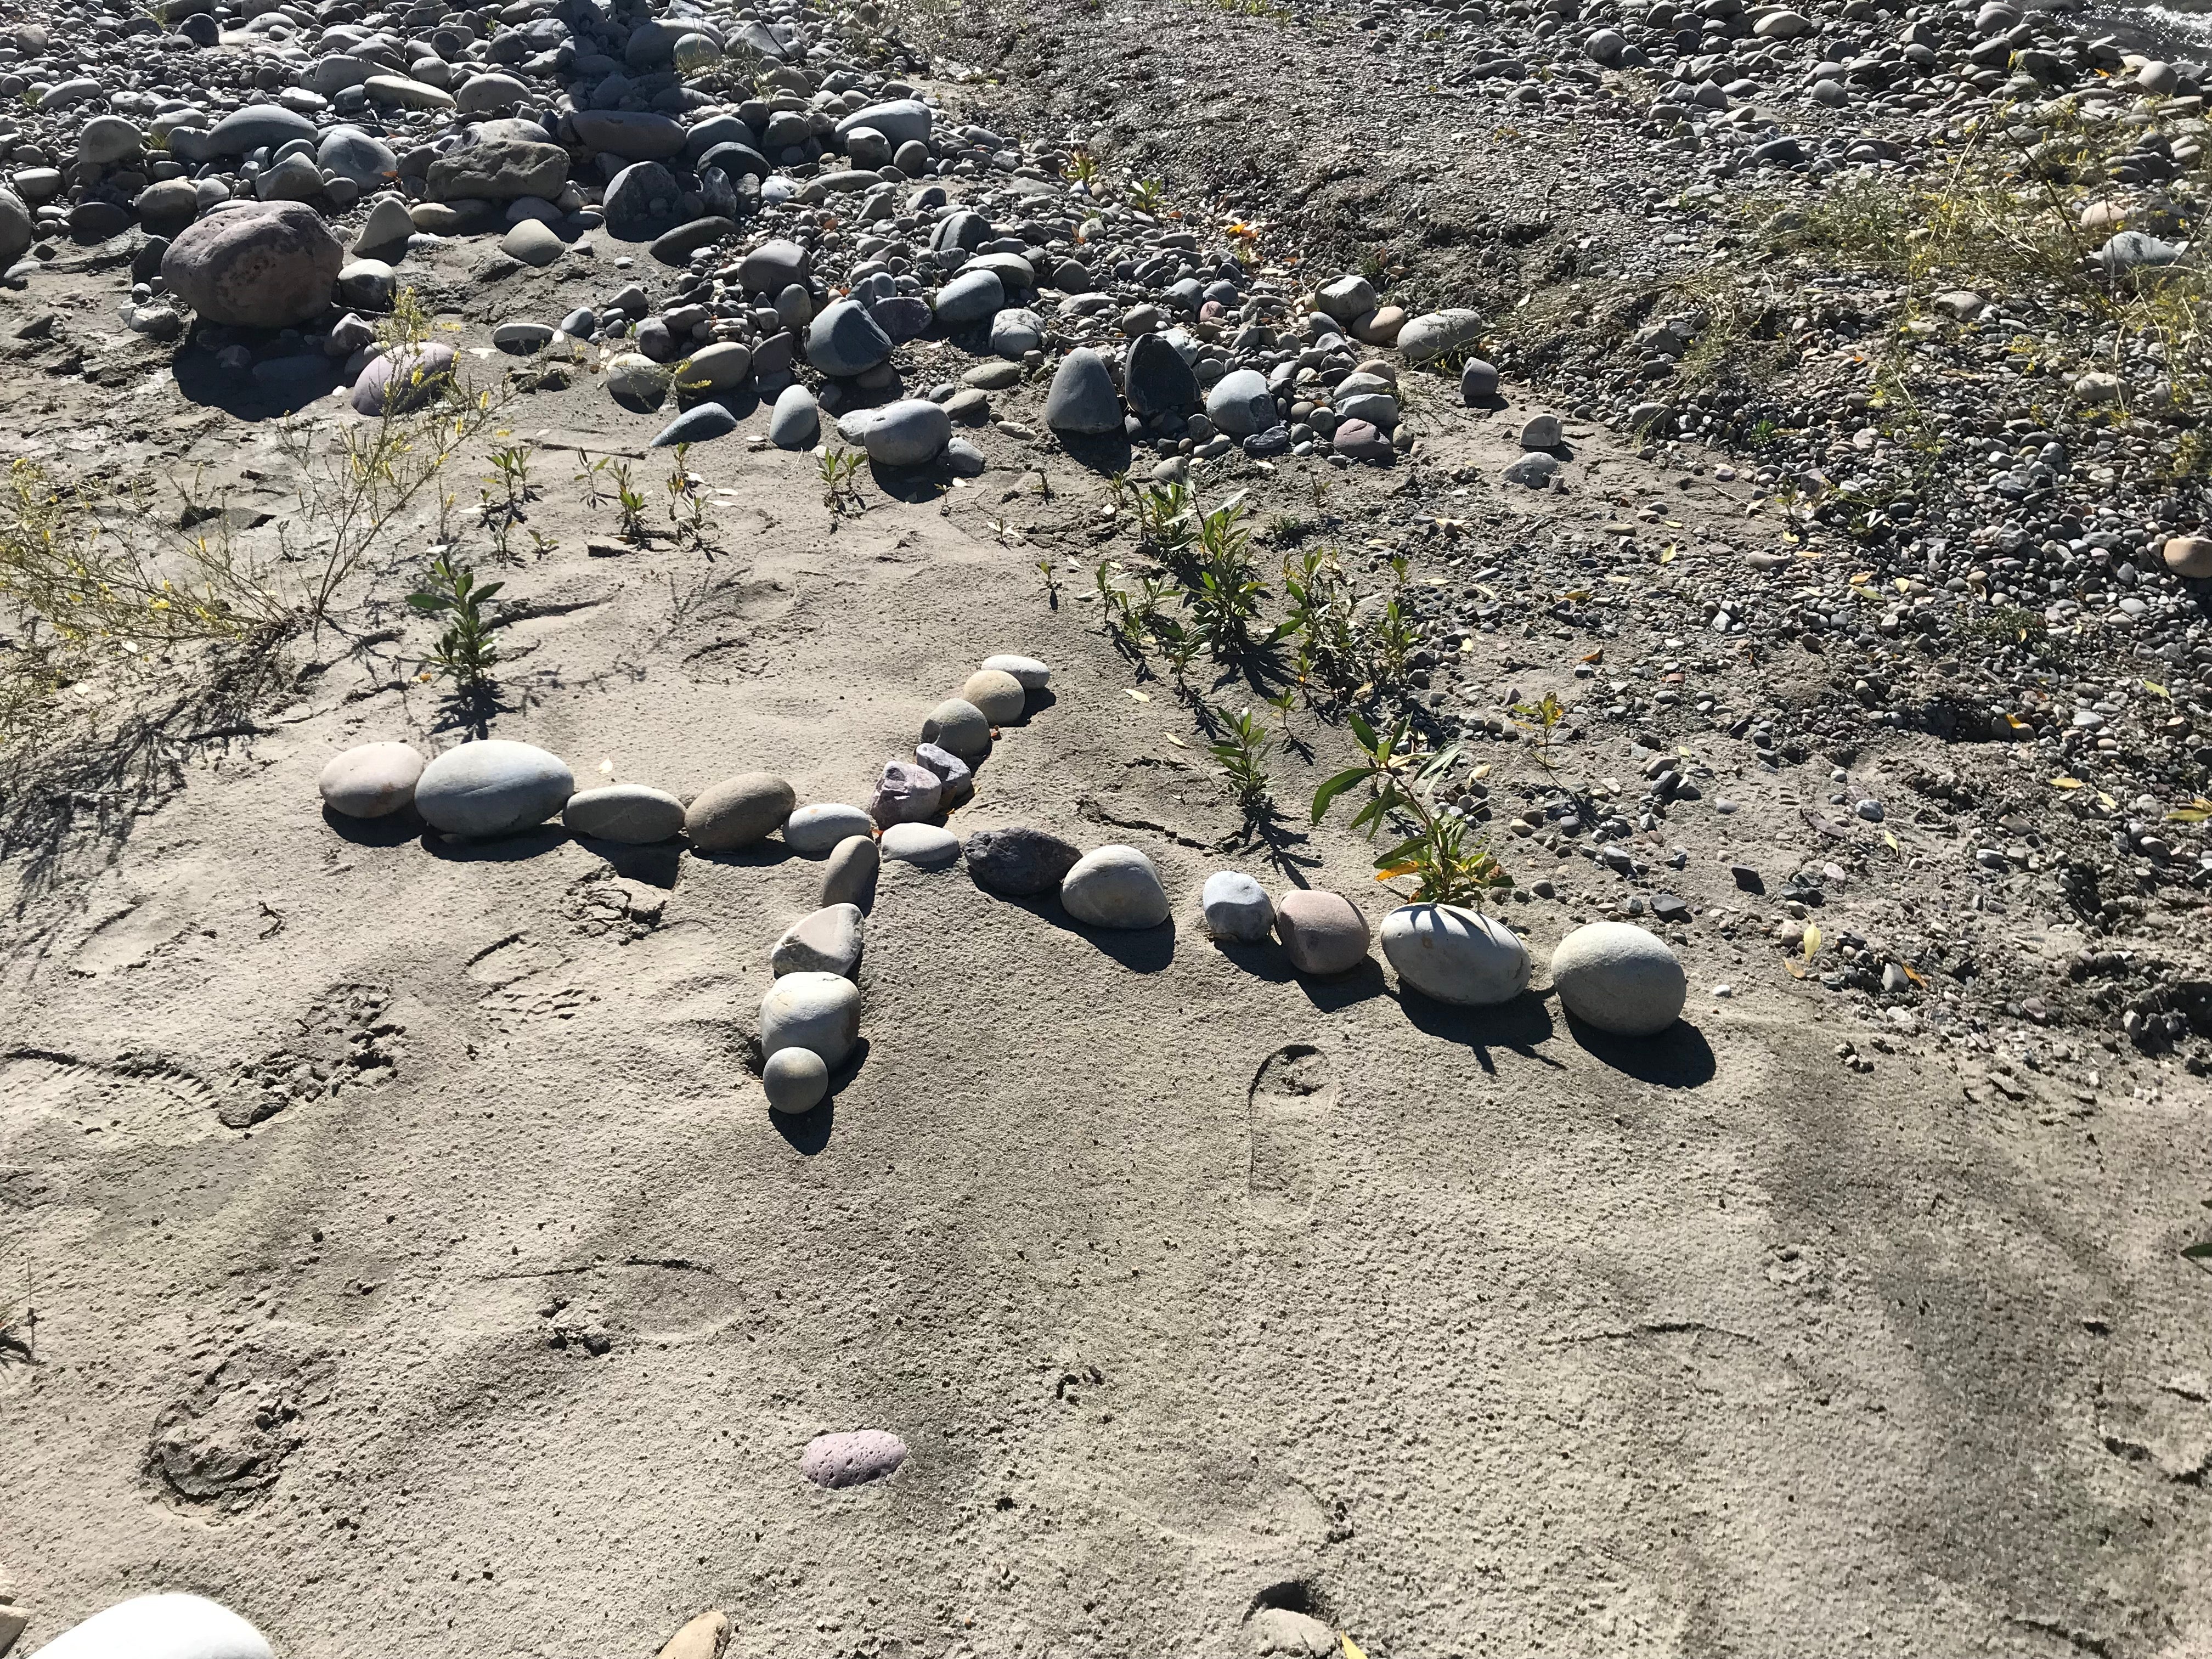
point(492, 787)
point(372, 780)
point(795, 1080)
point(1619, 978)
point(809, 1009)
point(160, 1627)
point(739, 811)
point(631, 813)
point(815, 831)
point(957, 724)
point(1033, 675)
point(1322, 932)
point(999, 696)
point(849, 876)
point(1115, 886)
point(1237, 908)
point(927, 846)
point(853, 1458)
point(1455, 955)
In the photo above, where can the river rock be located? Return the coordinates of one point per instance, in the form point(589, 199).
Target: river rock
point(636, 382)
point(697, 425)
point(795, 1080)
point(912, 432)
point(958, 725)
point(387, 228)
point(796, 421)
point(739, 811)
point(1619, 978)
point(903, 120)
point(815, 829)
point(641, 202)
point(1033, 675)
point(969, 298)
point(631, 135)
point(844, 340)
point(853, 1458)
point(367, 284)
point(1156, 379)
point(255, 127)
point(849, 875)
point(265, 264)
point(1019, 862)
point(371, 780)
point(676, 247)
point(171, 1626)
point(926, 846)
point(810, 1010)
point(629, 812)
point(1455, 955)
point(1083, 399)
point(1237, 908)
point(827, 942)
point(403, 378)
point(1241, 405)
point(1322, 932)
point(721, 366)
point(498, 169)
point(492, 787)
point(1115, 886)
point(1436, 333)
point(774, 266)
point(703, 1637)
point(17, 229)
point(998, 694)
point(905, 793)
point(2189, 556)
point(1477, 382)
point(955, 779)
point(1286, 1633)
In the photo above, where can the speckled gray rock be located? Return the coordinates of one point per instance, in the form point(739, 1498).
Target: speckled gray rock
point(1019, 862)
point(828, 941)
point(1115, 886)
point(1237, 908)
point(927, 846)
point(1282, 1633)
point(636, 382)
point(739, 811)
point(401, 379)
point(372, 780)
point(815, 829)
point(902, 120)
point(955, 779)
point(1619, 978)
point(169, 1626)
point(957, 724)
point(1240, 404)
point(906, 793)
point(805, 1010)
point(795, 1080)
point(1436, 333)
point(997, 693)
point(266, 265)
point(912, 432)
point(1455, 955)
point(1033, 675)
point(494, 788)
point(849, 875)
point(1322, 932)
point(631, 813)
point(853, 1458)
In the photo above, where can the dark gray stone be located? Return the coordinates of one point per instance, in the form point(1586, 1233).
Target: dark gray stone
point(1019, 862)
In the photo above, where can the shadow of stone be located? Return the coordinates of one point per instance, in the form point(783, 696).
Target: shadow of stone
point(1677, 1058)
point(655, 864)
point(202, 380)
point(494, 850)
point(393, 830)
point(1518, 1025)
point(1103, 452)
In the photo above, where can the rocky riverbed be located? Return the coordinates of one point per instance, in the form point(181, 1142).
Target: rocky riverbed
point(680, 975)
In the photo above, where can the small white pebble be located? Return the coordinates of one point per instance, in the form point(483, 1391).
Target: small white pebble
point(1723, 991)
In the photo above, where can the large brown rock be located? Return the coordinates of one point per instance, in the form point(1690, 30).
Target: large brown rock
point(498, 169)
point(265, 264)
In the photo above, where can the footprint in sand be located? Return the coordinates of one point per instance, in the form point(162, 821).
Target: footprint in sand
point(1294, 1090)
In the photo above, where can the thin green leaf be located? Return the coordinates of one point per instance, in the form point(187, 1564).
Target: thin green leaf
point(1334, 787)
point(487, 590)
point(1362, 730)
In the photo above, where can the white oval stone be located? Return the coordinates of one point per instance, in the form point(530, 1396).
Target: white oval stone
point(628, 812)
point(1237, 908)
point(492, 787)
point(371, 780)
point(160, 1627)
point(815, 829)
point(1033, 674)
point(827, 941)
point(927, 846)
point(821, 1011)
point(1619, 978)
point(1455, 955)
point(1115, 886)
point(853, 1458)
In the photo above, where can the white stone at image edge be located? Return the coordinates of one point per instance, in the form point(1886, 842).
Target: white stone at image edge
point(174, 1626)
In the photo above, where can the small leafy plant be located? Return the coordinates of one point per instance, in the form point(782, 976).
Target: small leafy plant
point(1449, 862)
point(466, 653)
point(1241, 753)
point(1540, 719)
point(629, 504)
point(841, 470)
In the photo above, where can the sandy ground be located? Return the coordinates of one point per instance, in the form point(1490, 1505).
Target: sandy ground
point(329, 1154)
